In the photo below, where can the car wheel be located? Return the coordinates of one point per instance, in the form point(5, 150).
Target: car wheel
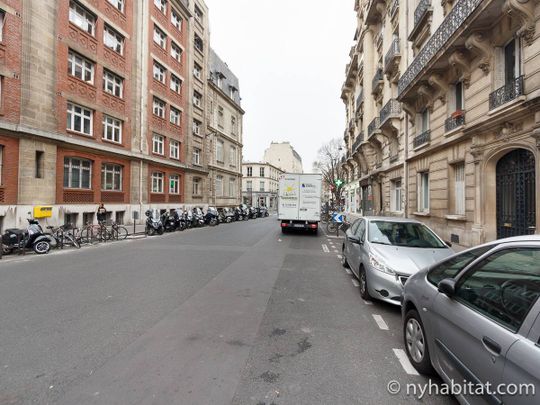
point(344, 261)
point(362, 277)
point(416, 346)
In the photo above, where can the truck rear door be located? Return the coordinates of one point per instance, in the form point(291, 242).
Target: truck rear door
point(310, 198)
point(288, 197)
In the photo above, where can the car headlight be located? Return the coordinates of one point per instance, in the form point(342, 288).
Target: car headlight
point(378, 264)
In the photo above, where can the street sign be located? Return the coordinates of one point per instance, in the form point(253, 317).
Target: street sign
point(336, 217)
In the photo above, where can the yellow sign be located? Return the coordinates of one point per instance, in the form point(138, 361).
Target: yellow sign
point(42, 211)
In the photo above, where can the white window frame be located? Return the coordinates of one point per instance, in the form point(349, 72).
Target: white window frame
point(423, 197)
point(249, 171)
point(196, 156)
point(197, 71)
point(459, 189)
point(115, 126)
point(396, 204)
point(174, 184)
point(176, 20)
point(197, 99)
point(233, 125)
point(174, 149)
point(219, 186)
point(158, 107)
point(249, 185)
point(160, 38)
point(232, 187)
point(81, 17)
point(79, 64)
point(176, 84)
point(198, 40)
point(75, 111)
point(161, 5)
point(159, 72)
point(196, 183)
point(220, 154)
point(196, 127)
point(118, 4)
point(158, 144)
point(113, 40)
point(2, 23)
point(158, 182)
point(261, 171)
point(175, 116)
point(198, 14)
point(114, 170)
point(262, 185)
point(113, 84)
point(176, 52)
point(232, 156)
point(81, 164)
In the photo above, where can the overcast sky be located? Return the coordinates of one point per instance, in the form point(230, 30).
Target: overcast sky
point(290, 57)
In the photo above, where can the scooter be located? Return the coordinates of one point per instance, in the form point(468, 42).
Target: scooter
point(32, 238)
point(253, 214)
point(153, 223)
point(171, 221)
point(238, 214)
point(262, 212)
point(211, 217)
point(197, 217)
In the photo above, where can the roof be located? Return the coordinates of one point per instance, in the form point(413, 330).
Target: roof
point(218, 68)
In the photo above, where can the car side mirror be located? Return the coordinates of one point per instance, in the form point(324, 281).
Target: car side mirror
point(449, 244)
point(447, 287)
point(354, 239)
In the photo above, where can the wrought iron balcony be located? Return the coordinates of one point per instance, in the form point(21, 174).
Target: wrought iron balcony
point(507, 93)
point(455, 121)
point(391, 55)
point(357, 142)
point(377, 82)
point(394, 8)
point(454, 20)
point(422, 139)
point(373, 126)
point(392, 109)
point(359, 100)
point(379, 39)
point(421, 11)
point(352, 123)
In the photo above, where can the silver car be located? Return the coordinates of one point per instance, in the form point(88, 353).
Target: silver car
point(475, 318)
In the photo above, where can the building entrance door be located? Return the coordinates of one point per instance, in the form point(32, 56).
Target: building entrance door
point(516, 194)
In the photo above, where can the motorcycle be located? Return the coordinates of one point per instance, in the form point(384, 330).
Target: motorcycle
point(211, 217)
point(32, 238)
point(253, 213)
point(170, 221)
point(197, 217)
point(153, 223)
point(245, 212)
point(228, 215)
point(238, 214)
point(262, 212)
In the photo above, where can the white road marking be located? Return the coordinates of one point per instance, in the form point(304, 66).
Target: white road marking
point(339, 256)
point(355, 283)
point(380, 322)
point(325, 248)
point(348, 272)
point(405, 363)
point(336, 251)
point(367, 302)
point(333, 237)
point(279, 240)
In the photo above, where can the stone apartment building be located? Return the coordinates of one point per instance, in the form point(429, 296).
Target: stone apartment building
point(224, 135)
point(443, 115)
point(260, 184)
point(97, 104)
point(283, 155)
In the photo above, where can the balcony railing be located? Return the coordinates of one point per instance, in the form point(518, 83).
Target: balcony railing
point(373, 126)
point(390, 110)
point(392, 53)
point(455, 19)
point(454, 122)
point(507, 93)
point(357, 142)
point(394, 8)
point(421, 10)
point(422, 139)
point(359, 99)
point(377, 81)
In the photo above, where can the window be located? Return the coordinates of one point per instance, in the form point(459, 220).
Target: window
point(424, 120)
point(197, 71)
point(159, 107)
point(197, 99)
point(219, 80)
point(82, 18)
point(459, 189)
point(119, 4)
point(196, 127)
point(423, 192)
point(196, 156)
point(233, 125)
point(157, 182)
point(113, 84)
point(503, 287)
point(174, 184)
point(249, 185)
point(198, 14)
point(232, 187)
point(196, 186)
point(174, 116)
point(77, 173)
point(232, 156)
point(79, 119)
point(395, 196)
point(261, 172)
point(458, 88)
point(219, 186)
point(176, 84)
point(80, 67)
point(512, 61)
point(232, 92)
point(250, 171)
point(111, 177)
point(158, 144)
point(160, 38)
point(113, 40)
point(2, 22)
point(198, 43)
point(112, 129)
point(261, 186)
point(40, 163)
point(176, 20)
point(161, 5)
point(174, 149)
point(219, 151)
point(220, 116)
point(159, 72)
point(176, 52)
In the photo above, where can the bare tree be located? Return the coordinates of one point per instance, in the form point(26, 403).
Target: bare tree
point(328, 163)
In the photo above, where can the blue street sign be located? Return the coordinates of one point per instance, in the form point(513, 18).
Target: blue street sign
point(337, 217)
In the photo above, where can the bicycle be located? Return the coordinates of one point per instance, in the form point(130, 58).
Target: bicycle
point(334, 227)
point(118, 232)
point(92, 234)
point(63, 236)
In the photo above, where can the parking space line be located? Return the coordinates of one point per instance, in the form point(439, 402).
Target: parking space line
point(380, 322)
point(355, 283)
point(348, 272)
point(339, 256)
point(367, 302)
point(325, 248)
point(404, 361)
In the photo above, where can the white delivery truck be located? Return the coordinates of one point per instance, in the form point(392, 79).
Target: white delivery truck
point(299, 205)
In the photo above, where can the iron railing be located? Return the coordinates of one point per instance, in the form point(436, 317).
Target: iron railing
point(392, 53)
point(373, 126)
point(378, 79)
point(507, 93)
point(359, 99)
point(391, 109)
point(421, 10)
point(394, 8)
point(455, 19)
point(421, 139)
point(452, 123)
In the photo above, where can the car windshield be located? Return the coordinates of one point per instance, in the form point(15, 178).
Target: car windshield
point(407, 234)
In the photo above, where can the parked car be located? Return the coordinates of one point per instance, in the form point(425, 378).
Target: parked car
point(476, 317)
point(384, 252)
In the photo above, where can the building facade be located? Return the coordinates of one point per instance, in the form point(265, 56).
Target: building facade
point(260, 184)
point(283, 155)
point(443, 116)
point(98, 107)
point(224, 135)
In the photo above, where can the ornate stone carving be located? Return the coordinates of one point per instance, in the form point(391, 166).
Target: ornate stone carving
point(426, 98)
point(436, 81)
point(524, 10)
point(461, 64)
point(479, 45)
point(536, 135)
point(411, 112)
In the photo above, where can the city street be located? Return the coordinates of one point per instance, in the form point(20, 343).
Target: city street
point(235, 314)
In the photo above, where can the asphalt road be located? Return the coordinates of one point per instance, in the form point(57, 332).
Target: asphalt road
point(237, 314)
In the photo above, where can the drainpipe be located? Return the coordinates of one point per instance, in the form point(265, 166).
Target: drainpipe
point(143, 30)
point(406, 141)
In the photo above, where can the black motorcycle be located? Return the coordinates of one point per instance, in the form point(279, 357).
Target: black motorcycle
point(32, 238)
point(253, 214)
point(211, 217)
point(170, 221)
point(197, 217)
point(238, 214)
point(245, 212)
point(153, 223)
point(228, 215)
point(262, 212)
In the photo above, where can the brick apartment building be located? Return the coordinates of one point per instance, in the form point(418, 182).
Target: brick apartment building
point(96, 105)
